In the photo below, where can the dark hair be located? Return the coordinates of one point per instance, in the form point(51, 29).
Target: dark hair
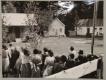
point(35, 51)
point(10, 44)
point(80, 52)
point(18, 53)
point(63, 58)
point(40, 51)
point(4, 47)
point(57, 59)
point(45, 49)
point(71, 48)
point(71, 56)
point(50, 53)
point(26, 52)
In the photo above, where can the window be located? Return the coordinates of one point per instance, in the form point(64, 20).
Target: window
point(60, 29)
point(100, 28)
point(95, 28)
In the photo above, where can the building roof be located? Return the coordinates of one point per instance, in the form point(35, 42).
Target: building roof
point(89, 22)
point(18, 19)
point(60, 21)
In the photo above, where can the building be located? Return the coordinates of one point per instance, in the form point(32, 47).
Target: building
point(15, 24)
point(56, 28)
point(85, 26)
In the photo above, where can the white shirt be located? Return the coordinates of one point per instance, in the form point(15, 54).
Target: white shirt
point(75, 53)
point(26, 59)
point(49, 60)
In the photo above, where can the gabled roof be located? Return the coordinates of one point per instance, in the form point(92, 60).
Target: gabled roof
point(89, 22)
point(17, 19)
point(59, 21)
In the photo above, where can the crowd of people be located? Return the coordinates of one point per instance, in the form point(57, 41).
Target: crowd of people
point(22, 63)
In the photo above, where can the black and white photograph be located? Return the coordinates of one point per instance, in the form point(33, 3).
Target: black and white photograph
point(53, 39)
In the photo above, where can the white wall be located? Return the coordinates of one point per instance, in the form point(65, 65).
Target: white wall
point(54, 28)
point(83, 30)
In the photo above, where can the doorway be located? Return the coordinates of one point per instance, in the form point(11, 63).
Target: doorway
point(16, 30)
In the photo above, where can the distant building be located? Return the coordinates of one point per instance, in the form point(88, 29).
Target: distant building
point(16, 23)
point(56, 28)
point(85, 26)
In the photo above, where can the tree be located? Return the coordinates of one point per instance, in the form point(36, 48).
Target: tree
point(42, 17)
point(76, 20)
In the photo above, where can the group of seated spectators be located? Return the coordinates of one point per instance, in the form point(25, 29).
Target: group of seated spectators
point(23, 63)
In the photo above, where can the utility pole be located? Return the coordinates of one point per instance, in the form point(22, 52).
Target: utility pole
point(94, 24)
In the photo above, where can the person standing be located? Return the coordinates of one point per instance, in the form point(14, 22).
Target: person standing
point(5, 61)
point(26, 65)
point(100, 67)
point(44, 55)
point(49, 62)
point(36, 62)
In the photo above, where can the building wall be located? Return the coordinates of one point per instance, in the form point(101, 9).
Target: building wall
point(56, 29)
point(83, 30)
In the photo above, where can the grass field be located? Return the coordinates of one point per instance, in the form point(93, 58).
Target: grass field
point(61, 45)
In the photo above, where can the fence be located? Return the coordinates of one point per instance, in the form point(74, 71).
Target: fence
point(78, 71)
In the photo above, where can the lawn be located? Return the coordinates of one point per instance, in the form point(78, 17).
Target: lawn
point(61, 45)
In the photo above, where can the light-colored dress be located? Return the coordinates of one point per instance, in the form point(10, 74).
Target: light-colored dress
point(5, 61)
point(49, 62)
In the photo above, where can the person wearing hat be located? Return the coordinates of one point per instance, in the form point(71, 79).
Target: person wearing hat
point(81, 58)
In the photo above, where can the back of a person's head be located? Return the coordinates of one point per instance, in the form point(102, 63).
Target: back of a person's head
point(50, 53)
point(89, 56)
point(10, 45)
point(40, 52)
point(71, 48)
point(57, 59)
point(4, 47)
point(26, 52)
point(63, 58)
point(35, 51)
point(80, 52)
point(17, 53)
point(71, 56)
point(45, 49)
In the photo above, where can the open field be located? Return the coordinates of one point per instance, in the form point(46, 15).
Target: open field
point(61, 45)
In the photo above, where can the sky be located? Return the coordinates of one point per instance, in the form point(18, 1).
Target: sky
point(66, 6)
